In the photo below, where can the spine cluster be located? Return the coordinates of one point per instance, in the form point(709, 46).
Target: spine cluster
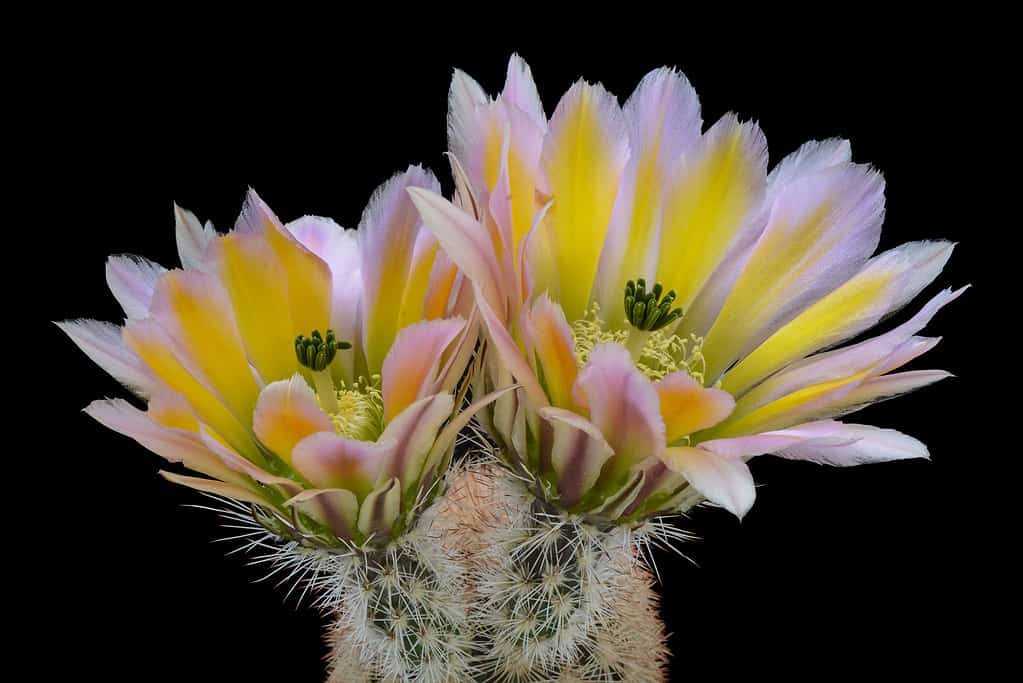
point(555, 599)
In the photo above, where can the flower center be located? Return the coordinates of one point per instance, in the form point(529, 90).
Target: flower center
point(357, 411)
point(360, 410)
point(661, 353)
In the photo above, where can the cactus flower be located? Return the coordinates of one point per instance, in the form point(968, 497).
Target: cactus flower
point(305, 369)
point(669, 307)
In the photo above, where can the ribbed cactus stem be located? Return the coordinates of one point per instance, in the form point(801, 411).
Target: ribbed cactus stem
point(556, 599)
point(399, 613)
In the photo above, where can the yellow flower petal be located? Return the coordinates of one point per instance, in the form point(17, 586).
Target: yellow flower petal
point(885, 284)
point(286, 413)
point(256, 280)
point(583, 157)
point(708, 203)
point(688, 407)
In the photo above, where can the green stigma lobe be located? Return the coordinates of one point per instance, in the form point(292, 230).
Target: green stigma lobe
point(316, 352)
point(647, 310)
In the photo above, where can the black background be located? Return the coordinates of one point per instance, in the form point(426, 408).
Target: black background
point(878, 570)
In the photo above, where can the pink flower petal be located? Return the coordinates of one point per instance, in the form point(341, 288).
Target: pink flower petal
point(411, 367)
point(103, 344)
point(822, 228)
point(688, 407)
point(287, 412)
point(131, 280)
point(826, 441)
point(520, 90)
point(511, 355)
point(217, 488)
point(192, 238)
point(332, 461)
point(338, 509)
point(549, 343)
point(466, 242)
point(722, 480)
point(387, 235)
point(663, 120)
point(174, 445)
point(622, 403)
point(413, 433)
point(577, 452)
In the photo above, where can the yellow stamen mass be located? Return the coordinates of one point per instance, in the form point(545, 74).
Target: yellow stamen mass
point(663, 352)
point(360, 410)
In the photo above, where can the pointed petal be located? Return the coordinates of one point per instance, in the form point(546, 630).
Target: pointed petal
point(236, 462)
point(519, 139)
point(821, 230)
point(861, 361)
point(578, 451)
point(551, 347)
point(520, 90)
point(584, 154)
point(817, 433)
point(411, 367)
point(165, 360)
point(511, 355)
point(192, 238)
point(688, 407)
point(256, 282)
point(722, 480)
point(622, 403)
point(217, 488)
point(332, 461)
point(337, 509)
point(883, 286)
point(196, 311)
point(447, 436)
point(465, 99)
point(866, 444)
point(387, 235)
point(826, 442)
point(466, 242)
point(380, 510)
point(713, 197)
point(339, 249)
point(103, 344)
point(413, 431)
point(287, 412)
point(663, 120)
point(131, 280)
point(811, 157)
point(888, 386)
point(308, 276)
point(174, 445)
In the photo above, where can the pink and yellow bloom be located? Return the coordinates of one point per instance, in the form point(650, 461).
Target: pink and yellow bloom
point(665, 303)
point(303, 368)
